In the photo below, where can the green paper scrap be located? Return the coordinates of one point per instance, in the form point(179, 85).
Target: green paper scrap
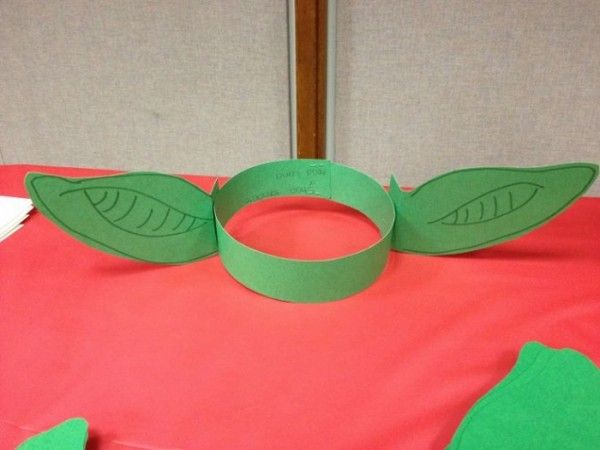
point(145, 216)
point(300, 280)
point(476, 208)
point(550, 400)
point(69, 435)
point(164, 219)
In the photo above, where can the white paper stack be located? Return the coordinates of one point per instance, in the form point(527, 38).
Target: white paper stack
point(13, 211)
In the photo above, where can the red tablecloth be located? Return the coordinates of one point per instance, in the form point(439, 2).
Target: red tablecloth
point(184, 357)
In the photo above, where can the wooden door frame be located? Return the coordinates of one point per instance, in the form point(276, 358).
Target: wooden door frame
point(309, 69)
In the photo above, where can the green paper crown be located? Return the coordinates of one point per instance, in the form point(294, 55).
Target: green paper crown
point(165, 219)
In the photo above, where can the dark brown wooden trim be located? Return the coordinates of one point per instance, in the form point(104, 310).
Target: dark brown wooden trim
point(311, 66)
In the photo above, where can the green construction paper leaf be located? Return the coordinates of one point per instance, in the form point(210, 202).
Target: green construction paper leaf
point(215, 189)
point(145, 216)
point(69, 435)
point(549, 400)
point(476, 208)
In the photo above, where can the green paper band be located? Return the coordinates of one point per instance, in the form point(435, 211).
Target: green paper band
point(301, 280)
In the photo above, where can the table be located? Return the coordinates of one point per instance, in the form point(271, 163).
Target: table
point(184, 357)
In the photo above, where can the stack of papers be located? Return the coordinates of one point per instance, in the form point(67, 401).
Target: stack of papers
point(13, 211)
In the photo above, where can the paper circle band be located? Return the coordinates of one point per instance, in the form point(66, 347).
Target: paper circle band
point(165, 219)
point(302, 280)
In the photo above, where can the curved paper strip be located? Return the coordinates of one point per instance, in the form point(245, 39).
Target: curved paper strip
point(68, 435)
point(476, 208)
point(300, 280)
point(550, 400)
point(146, 216)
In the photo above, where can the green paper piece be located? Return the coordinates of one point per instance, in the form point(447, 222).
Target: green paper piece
point(164, 219)
point(471, 209)
point(300, 280)
point(69, 435)
point(215, 189)
point(141, 215)
point(550, 400)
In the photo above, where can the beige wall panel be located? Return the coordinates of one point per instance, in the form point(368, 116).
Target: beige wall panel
point(179, 86)
point(424, 87)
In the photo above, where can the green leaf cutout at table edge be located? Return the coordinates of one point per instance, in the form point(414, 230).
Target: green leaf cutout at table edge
point(471, 209)
point(71, 434)
point(140, 215)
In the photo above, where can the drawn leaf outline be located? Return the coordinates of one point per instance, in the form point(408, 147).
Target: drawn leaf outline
point(138, 213)
point(491, 205)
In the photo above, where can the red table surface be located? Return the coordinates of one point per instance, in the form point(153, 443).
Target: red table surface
point(184, 357)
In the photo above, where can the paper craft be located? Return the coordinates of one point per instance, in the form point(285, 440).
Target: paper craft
point(68, 435)
point(300, 280)
point(13, 211)
point(475, 208)
point(165, 219)
point(146, 216)
point(550, 399)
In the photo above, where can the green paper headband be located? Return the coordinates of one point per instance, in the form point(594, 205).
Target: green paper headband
point(165, 219)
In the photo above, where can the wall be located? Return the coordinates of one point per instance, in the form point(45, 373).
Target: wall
point(424, 87)
point(179, 86)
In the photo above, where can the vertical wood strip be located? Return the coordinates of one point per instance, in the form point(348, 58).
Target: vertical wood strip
point(330, 72)
point(311, 66)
